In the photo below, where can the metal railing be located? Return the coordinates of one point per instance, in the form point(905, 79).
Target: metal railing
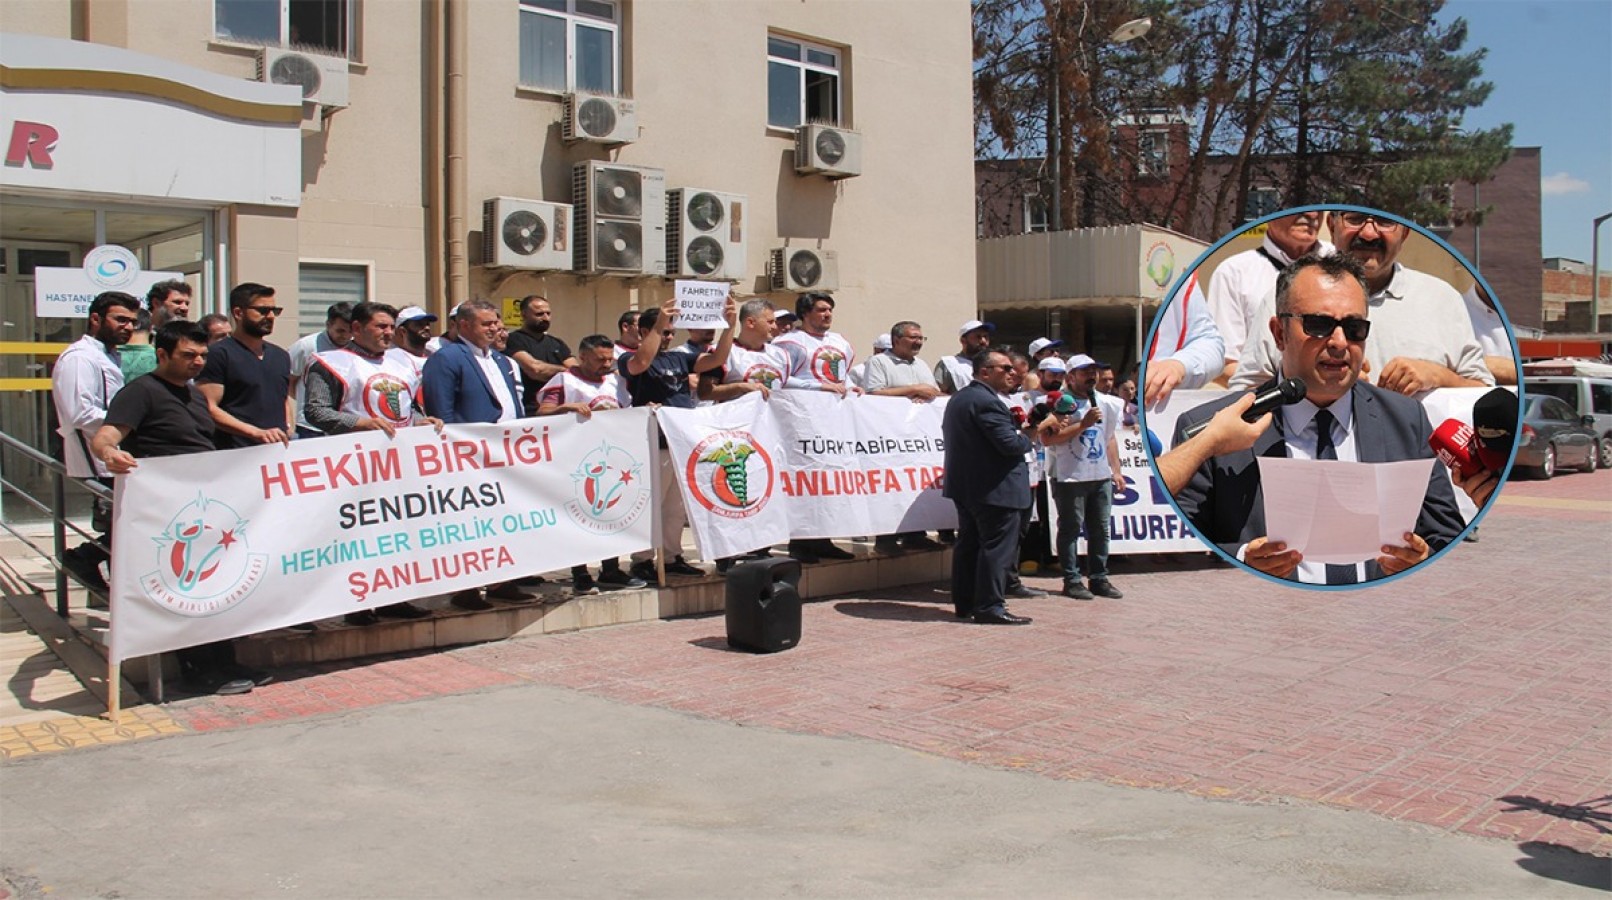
point(61, 525)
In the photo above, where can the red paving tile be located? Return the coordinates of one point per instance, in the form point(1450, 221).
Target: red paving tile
point(1472, 697)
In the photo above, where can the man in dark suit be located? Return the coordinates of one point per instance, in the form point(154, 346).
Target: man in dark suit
point(989, 482)
point(1320, 328)
point(468, 381)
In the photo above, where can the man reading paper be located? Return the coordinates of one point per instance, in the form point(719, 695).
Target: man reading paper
point(1320, 329)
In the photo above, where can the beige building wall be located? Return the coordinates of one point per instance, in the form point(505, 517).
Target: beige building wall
point(903, 229)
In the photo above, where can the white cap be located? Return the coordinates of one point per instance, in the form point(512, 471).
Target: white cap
point(882, 342)
point(974, 325)
point(1080, 361)
point(784, 314)
point(1040, 344)
point(1051, 364)
point(412, 313)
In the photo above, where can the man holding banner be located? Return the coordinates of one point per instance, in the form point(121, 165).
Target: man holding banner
point(363, 387)
point(1085, 462)
point(658, 376)
point(819, 360)
point(988, 480)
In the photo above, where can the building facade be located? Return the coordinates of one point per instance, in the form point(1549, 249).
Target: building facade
point(365, 173)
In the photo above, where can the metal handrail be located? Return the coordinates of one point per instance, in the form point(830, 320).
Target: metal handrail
point(56, 511)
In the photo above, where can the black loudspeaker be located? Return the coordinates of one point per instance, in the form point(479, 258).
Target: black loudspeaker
point(764, 605)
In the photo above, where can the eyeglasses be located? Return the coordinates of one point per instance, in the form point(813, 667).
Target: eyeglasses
point(267, 310)
point(1001, 366)
point(1359, 220)
point(1318, 326)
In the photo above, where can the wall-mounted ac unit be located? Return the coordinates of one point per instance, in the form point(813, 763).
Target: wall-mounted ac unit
point(705, 234)
point(525, 234)
point(827, 150)
point(621, 218)
point(801, 269)
point(600, 118)
point(323, 79)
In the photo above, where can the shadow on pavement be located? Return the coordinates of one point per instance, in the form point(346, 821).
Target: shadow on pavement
point(1594, 811)
point(1560, 863)
point(885, 609)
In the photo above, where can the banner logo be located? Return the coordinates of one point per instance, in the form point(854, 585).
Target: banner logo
point(763, 374)
point(387, 397)
point(204, 565)
point(731, 474)
point(609, 490)
point(828, 364)
point(111, 267)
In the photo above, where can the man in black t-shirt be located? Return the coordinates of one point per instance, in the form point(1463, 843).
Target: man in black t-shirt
point(540, 355)
point(247, 380)
point(162, 414)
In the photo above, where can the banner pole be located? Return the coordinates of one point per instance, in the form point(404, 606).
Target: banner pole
point(114, 688)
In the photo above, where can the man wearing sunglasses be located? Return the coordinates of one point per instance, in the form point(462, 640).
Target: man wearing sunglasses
point(247, 380)
point(1421, 335)
point(1322, 332)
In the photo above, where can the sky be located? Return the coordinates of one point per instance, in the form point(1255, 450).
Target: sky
point(1551, 65)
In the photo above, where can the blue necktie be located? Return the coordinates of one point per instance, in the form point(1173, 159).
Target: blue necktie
point(1324, 449)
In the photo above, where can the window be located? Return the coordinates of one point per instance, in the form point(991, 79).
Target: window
point(324, 26)
point(1153, 154)
point(803, 83)
point(319, 285)
point(570, 45)
point(1601, 398)
point(1262, 202)
point(1035, 214)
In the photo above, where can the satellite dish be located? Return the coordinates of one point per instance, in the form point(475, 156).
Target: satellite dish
point(1131, 30)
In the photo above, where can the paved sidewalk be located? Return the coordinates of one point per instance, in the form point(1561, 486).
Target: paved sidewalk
point(1472, 699)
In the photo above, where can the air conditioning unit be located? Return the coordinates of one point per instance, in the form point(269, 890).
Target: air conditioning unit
point(525, 234)
point(705, 234)
point(621, 218)
point(323, 79)
point(800, 269)
point(827, 150)
point(600, 118)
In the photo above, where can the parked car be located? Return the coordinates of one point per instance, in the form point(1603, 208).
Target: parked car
point(1554, 435)
point(1587, 395)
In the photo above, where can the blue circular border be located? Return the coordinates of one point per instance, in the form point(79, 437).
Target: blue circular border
point(1516, 358)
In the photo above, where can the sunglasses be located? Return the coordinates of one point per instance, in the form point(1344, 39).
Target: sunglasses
point(267, 310)
point(1359, 220)
point(1318, 326)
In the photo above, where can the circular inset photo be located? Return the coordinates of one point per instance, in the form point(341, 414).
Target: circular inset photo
point(1365, 407)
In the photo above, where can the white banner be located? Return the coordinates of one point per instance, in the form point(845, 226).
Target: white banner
point(216, 545)
point(1144, 521)
point(863, 465)
point(728, 462)
point(67, 293)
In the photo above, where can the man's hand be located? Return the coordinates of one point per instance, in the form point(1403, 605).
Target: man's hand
point(272, 435)
point(1397, 559)
point(1404, 375)
point(1162, 377)
point(834, 388)
point(119, 462)
point(730, 312)
point(1092, 417)
point(1119, 483)
point(1272, 557)
point(1479, 487)
point(923, 393)
point(433, 421)
point(1228, 433)
point(580, 409)
point(753, 386)
point(376, 425)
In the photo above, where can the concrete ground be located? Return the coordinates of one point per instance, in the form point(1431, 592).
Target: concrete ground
point(1209, 735)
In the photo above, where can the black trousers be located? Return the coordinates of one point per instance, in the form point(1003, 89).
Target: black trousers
point(987, 547)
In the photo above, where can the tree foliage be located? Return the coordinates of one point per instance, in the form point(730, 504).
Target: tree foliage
point(1356, 101)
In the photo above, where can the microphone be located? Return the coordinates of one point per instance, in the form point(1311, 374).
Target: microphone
point(1283, 393)
point(1494, 423)
point(1456, 447)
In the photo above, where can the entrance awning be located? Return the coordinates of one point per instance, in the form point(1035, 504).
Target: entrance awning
point(1119, 267)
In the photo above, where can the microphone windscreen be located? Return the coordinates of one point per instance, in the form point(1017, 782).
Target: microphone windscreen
point(1453, 443)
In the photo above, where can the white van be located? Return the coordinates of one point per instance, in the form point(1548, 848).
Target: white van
point(1589, 396)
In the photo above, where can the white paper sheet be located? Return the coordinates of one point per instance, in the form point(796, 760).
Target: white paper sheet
point(1341, 512)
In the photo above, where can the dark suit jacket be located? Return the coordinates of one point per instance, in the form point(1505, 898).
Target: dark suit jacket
point(1224, 501)
point(457, 390)
point(984, 451)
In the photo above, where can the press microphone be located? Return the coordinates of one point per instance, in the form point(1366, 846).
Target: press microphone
point(1282, 393)
point(1456, 446)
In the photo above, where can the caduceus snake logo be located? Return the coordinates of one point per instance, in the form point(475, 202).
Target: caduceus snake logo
point(730, 480)
point(599, 497)
point(185, 564)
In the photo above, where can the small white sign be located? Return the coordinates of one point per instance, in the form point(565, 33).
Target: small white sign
point(700, 304)
point(67, 293)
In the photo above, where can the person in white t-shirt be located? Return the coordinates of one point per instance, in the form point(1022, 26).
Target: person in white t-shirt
point(819, 360)
point(1086, 472)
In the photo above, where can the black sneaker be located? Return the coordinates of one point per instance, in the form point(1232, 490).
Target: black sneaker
point(1026, 593)
point(404, 610)
point(681, 566)
point(362, 618)
point(1074, 590)
point(85, 568)
point(889, 546)
point(803, 553)
point(470, 600)
point(582, 582)
point(1102, 588)
point(922, 543)
point(829, 551)
point(615, 577)
point(644, 572)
